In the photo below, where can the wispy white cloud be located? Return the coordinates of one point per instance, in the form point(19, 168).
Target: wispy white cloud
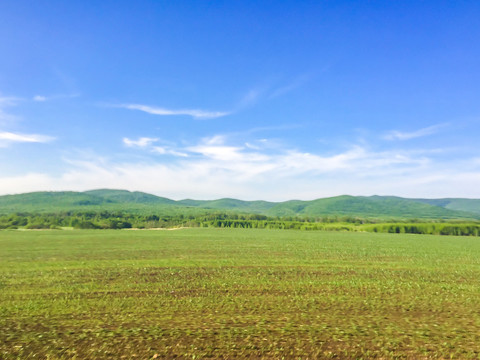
point(43, 98)
point(218, 152)
point(29, 182)
point(209, 182)
point(214, 140)
point(141, 142)
point(250, 98)
point(265, 92)
point(400, 135)
point(247, 160)
point(147, 143)
point(216, 168)
point(163, 150)
point(215, 148)
point(294, 84)
point(252, 146)
point(195, 113)
point(7, 101)
point(226, 166)
point(9, 137)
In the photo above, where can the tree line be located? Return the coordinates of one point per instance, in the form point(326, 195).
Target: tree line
point(125, 220)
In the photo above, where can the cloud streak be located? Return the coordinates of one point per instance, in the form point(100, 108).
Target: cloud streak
point(142, 142)
point(147, 143)
point(296, 83)
point(9, 137)
point(43, 98)
point(399, 135)
point(195, 113)
point(257, 94)
point(252, 97)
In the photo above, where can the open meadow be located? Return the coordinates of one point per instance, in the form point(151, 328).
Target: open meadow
point(238, 293)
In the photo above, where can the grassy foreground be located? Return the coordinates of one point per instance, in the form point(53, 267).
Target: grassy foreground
point(234, 293)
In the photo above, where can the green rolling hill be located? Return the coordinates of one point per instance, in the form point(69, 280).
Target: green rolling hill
point(373, 206)
point(230, 204)
point(470, 205)
point(46, 201)
point(387, 207)
point(94, 200)
point(124, 196)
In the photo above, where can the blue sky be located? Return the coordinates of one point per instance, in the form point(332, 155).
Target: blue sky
point(252, 100)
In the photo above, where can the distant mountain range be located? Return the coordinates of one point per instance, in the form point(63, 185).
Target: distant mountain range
point(345, 205)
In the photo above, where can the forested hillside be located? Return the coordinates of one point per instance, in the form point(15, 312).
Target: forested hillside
point(383, 207)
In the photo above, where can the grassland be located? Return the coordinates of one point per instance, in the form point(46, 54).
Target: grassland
point(238, 293)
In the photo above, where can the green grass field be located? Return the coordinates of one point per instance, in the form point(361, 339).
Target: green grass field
point(231, 293)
